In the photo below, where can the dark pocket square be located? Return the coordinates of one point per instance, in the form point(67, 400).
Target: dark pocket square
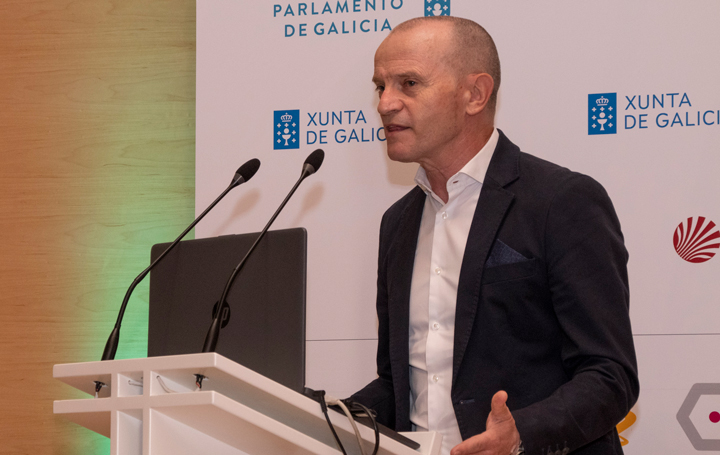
point(510, 272)
point(502, 254)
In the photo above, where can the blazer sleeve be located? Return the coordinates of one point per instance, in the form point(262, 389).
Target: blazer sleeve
point(588, 284)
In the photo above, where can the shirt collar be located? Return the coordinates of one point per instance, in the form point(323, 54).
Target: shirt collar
point(476, 168)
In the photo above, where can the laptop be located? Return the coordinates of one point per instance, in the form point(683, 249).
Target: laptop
point(264, 323)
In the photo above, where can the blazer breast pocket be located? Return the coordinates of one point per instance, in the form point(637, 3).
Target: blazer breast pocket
point(507, 272)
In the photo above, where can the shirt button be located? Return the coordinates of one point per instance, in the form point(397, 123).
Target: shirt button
point(438, 270)
point(436, 378)
point(444, 215)
point(435, 326)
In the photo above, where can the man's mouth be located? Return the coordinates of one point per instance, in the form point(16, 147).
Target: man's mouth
point(393, 128)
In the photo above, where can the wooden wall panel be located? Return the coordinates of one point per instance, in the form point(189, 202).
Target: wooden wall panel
point(97, 119)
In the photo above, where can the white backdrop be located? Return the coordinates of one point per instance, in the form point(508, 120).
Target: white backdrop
point(258, 61)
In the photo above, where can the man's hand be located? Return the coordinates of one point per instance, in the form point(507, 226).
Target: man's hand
point(501, 436)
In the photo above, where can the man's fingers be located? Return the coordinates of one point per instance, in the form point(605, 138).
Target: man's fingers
point(500, 436)
point(498, 409)
point(472, 445)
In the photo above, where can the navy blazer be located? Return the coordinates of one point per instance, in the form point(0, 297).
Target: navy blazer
point(542, 309)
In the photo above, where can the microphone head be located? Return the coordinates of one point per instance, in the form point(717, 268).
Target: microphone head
point(246, 171)
point(313, 162)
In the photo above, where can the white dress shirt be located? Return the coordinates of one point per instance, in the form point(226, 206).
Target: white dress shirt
point(433, 295)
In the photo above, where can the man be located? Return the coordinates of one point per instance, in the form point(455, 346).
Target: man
point(502, 282)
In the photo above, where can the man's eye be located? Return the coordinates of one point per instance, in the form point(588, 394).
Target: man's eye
point(410, 83)
point(379, 89)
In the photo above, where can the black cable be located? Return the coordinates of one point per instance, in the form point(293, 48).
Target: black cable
point(332, 428)
point(319, 395)
point(375, 426)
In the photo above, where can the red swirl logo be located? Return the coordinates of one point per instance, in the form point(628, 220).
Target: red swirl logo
point(695, 241)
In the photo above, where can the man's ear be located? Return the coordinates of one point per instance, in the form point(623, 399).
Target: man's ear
point(481, 87)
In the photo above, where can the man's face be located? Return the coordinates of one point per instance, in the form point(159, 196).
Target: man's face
point(421, 101)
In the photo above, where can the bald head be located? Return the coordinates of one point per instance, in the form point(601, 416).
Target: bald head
point(435, 93)
point(471, 50)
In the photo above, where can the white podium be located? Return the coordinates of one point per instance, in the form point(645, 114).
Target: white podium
point(151, 407)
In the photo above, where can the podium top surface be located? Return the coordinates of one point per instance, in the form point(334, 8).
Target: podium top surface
point(165, 382)
point(222, 373)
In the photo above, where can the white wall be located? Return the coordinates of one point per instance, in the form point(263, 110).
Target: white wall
point(554, 55)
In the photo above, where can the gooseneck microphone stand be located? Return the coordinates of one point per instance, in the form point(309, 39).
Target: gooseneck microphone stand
point(243, 174)
point(311, 165)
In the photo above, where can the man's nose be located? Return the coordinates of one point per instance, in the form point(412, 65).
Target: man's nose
point(389, 103)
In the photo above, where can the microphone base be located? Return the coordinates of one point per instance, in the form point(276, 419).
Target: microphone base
point(111, 345)
point(212, 336)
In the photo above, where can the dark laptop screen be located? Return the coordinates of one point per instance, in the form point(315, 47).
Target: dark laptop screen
point(266, 328)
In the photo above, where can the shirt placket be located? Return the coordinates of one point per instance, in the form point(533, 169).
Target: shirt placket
point(440, 324)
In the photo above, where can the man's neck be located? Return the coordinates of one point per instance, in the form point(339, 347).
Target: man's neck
point(438, 173)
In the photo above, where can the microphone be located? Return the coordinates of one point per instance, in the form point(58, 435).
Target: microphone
point(311, 166)
point(243, 174)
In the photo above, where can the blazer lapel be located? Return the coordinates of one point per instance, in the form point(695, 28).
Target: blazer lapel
point(491, 208)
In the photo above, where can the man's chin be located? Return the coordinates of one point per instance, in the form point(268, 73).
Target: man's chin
point(400, 154)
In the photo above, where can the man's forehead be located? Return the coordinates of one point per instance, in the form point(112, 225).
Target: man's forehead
point(398, 68)
point(409, 55)
point(426, 42)
point(424, 37)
